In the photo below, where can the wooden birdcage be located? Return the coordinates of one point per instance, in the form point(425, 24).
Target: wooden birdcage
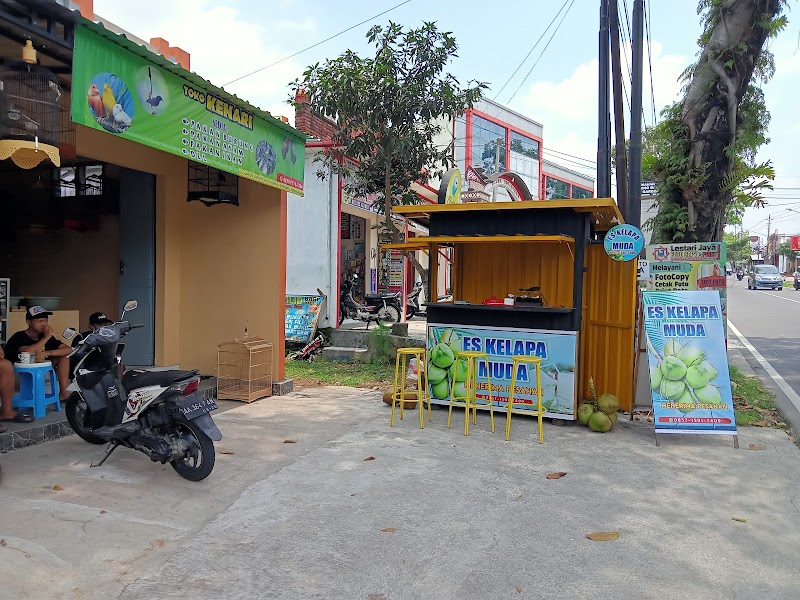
point(244, 369)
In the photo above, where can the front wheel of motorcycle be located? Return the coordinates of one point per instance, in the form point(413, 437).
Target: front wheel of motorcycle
point(199, 461)
point(76, 416)
point(390, 314)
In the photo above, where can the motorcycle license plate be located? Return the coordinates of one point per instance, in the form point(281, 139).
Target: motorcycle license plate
point(194, 405)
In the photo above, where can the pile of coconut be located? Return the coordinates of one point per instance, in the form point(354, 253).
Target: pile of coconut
point(599, 414)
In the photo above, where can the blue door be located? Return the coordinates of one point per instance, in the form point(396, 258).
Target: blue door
point(137, 251)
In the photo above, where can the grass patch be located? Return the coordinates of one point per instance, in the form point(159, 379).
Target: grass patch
point(374, 374)
point(754, 404)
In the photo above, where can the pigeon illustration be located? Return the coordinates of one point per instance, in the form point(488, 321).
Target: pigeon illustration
point(95, 102)
point(120, 116)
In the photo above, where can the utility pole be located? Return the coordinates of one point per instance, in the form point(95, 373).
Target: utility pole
point(619, 117)
point(496, 168)
point(769, 226)
point(603, 118)
point(635, 181)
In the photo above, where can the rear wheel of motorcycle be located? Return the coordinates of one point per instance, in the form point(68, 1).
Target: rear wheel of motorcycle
point(200, 462)
point(390, 314)
point(76, 416)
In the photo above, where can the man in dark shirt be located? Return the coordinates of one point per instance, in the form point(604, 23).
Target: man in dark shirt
point(40, 338)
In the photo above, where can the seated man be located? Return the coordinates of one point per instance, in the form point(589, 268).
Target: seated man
point(7, 394)
point(39, 338)
point(96, 321)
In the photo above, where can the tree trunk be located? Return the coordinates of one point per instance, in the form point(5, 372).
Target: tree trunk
point(709, 111)
point(423, 273)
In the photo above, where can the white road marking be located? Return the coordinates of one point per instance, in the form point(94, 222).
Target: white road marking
point(782, 297)
point(776, 377)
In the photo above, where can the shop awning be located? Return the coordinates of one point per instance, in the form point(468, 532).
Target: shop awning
point(605, 212)
point(423, 243)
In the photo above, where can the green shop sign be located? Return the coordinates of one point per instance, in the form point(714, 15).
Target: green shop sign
point(117, 91)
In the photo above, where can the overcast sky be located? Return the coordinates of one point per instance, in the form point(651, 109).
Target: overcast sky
point(230, 38)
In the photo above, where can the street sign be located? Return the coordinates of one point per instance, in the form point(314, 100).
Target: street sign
point(795, 241)
point(643, 270)
point(648, 188)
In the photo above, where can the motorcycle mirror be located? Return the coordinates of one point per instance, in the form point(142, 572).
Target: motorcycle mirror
point(69, 333)
point(131, 305)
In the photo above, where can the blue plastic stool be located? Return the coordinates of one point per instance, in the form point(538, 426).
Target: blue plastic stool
point(33, 388)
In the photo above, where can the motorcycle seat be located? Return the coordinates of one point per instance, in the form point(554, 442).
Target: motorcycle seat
point(139, 378)
point(386, 296)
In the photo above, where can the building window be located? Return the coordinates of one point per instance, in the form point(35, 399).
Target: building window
point(524, 159)
point(555, 189)
point(486, 151)
point(578, 192)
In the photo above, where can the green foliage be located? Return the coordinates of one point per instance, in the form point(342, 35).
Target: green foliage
point(380, 342)
point(738, 247)
point(390, 109)
point(785, 249)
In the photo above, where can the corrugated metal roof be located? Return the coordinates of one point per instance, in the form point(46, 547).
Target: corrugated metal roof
point(191, 77)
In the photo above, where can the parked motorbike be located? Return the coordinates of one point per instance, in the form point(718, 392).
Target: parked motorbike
point(158, 413)
point(412, 301)
point(382, 308)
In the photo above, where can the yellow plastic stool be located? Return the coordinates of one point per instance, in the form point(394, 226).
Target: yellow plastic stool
point(404, 356)
point(515, 362)
point(470, 401)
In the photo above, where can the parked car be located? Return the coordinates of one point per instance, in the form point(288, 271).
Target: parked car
point(764, 276)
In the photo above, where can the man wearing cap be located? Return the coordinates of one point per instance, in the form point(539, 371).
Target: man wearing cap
point(39, 338)
point(96, 321)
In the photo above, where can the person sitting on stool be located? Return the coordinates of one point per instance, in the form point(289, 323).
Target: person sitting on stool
point(39, 338)
point(7, 394)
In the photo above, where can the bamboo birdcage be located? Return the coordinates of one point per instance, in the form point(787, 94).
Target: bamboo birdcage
point(244, 369)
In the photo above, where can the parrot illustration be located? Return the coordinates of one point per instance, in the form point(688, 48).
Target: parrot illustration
point(287, 145)
point(95, 101)
point(108, 99)
point(120, 116)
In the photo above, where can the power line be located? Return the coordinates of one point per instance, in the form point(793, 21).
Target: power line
point(519, 66)
point(318, 43)
point(542, 53)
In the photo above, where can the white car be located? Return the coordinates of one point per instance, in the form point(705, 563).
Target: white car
point(765, 276)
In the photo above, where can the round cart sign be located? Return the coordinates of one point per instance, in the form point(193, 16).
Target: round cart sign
point(624, 242)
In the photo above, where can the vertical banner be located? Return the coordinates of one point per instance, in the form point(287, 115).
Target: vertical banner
point(557, 349)
point(689, 377)
point(302, 314)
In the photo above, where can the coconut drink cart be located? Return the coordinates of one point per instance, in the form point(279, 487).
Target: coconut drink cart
point(529, 278)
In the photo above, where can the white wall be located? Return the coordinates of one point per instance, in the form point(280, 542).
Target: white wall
point(312, 238)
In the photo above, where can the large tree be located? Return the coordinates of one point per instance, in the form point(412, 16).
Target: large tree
point(705, 148)
point(390, 108)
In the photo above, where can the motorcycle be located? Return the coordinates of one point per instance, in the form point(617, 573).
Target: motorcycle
point(739, 275)
point(378, 308)
point(412, 301)
point(158, 413)
point(797, 280)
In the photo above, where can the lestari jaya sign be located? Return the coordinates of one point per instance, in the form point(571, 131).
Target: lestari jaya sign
point(557, 349)
point(689, 379)
point(118, 91)
point(623, 242)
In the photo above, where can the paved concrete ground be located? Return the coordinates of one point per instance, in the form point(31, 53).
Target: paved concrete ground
point(474, 517)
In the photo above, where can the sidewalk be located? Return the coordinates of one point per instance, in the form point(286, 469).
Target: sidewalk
point(434, 515)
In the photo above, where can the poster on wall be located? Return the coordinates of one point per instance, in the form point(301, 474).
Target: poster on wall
point(689, 267)
point(302, 315)
point(557, 349)
point(117, 91)
point(345, 226)
point(689, 378)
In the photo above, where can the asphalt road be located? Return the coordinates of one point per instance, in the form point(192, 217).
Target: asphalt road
point(770, 321)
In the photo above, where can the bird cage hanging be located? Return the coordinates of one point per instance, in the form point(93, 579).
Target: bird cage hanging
point(244, 369)
point(29, 118)
point(211, 186)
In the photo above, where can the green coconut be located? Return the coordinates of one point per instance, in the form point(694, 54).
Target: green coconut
point(656, 376)
point(613, 418)
point(672, 390)
point(697, 376)
point(673, 368)
point(584, 412)
point(708, 395)
point(452, 339)
point(441, 390)
point(458, 370)
point(435, 374)
point(608, 403)
point(709, 369)
point(600, 422)
point(441, 355)
point(671, 348)
point(690, 355)
point(687, 401)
